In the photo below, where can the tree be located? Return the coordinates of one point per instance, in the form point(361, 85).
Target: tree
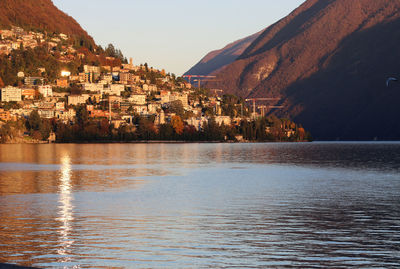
point(5, 133)
point(177, 124)
point(34, 121)
point(81, 115)
point(212, 131)
point(146, 129)
point(37, 135)
point(110, 50)
point(45, 129)
point(63, 132)
point(75, 89)
point(177, 108)
point(166, 131)
point(104, 128)
point(301, 134)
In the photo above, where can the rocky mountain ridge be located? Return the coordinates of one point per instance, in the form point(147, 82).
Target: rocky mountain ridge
point(218, 59)
point(328, 62)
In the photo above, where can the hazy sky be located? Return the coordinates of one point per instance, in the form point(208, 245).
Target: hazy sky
point(173, 34)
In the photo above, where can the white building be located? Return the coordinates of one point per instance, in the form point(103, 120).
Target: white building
point(77, 99)
point(153, 108)
point(11, 94)
point(63, 36)
point(106, 79)
point(140, 109)
point(114, 89)
point(179, 97)
point(226, 120)
point(65, 115)
point(164, 96)
point(46, 113)
point(91, 69)
point(46, 90)
point(197, 122)
point(150, 88)
point(93, 87)
point(31, 81)
point(65, 73)
point(137, 99)
point(60, 106)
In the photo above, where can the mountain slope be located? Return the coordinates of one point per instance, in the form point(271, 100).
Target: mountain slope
point(328, 61)
point(217, 59)
point(43, 15)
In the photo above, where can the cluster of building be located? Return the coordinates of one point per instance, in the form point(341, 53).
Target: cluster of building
point(115, 93)
point(17, 38)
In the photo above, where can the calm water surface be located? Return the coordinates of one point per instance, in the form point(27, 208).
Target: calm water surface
point(316, 205)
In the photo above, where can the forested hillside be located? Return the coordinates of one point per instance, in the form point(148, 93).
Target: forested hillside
point(42, 15)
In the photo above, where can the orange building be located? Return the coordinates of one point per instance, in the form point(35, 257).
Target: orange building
point(5, 115)
point(97, 113)
point(29, 94)
point(62, 82)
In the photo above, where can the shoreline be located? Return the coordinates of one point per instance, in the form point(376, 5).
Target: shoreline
point(194, 142)
point(149, 142)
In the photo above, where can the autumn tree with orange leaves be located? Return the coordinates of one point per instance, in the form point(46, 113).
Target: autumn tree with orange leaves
point(177, 124)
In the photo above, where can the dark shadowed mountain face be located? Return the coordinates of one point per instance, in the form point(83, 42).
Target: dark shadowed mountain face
point(217, 59)
point(41, 15)
point(328, 61)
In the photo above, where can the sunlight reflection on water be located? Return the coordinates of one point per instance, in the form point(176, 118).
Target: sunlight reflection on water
point(66, 208)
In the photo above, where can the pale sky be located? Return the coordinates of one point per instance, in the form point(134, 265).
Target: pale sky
point(173, 35)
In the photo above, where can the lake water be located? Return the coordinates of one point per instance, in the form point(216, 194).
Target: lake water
point(308, 205)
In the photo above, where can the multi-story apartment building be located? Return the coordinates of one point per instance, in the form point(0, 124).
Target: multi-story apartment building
point(5, 115)
point(114, 89)
point(93, 87)
point(137, 99)
point(128, 78)
point(31, 81)
point(91, 69)
point(46, 90)
point(29, 93)
point(11, 94)
point(77, 99)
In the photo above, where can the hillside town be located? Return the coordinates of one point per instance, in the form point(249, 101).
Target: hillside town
point(109, 88)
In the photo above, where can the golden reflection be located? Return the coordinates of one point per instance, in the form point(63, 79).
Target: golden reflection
point(65, 208)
